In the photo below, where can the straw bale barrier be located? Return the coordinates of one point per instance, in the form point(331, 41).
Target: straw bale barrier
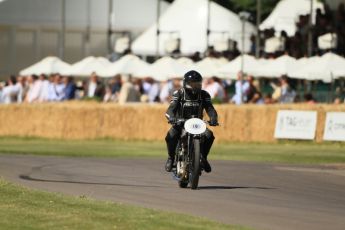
point(89, 120)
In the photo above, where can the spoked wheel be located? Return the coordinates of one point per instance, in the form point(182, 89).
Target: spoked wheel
point(195, 161)
point(183, 184)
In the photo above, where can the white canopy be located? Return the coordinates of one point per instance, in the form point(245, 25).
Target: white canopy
point(230, 70)
point(48, 65)
point(128, 64)
point(277, 67)
point(209, 66)
point(186, 61)
point(286, 13)
point(87, 66)
point(187, 20)
point(165, 68)
point(327, 67)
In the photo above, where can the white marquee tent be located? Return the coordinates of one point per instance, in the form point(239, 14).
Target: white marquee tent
point(128, 64)
point(187, 20)
point(208, 66)
point(276, 67)
point(326, 68)
point(48, 65)
point(286, 13)
point(185, 61)
point(230, 70)
point(87, 66)
point(165, 68)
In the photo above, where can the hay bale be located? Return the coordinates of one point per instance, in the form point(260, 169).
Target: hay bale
point(89, 120)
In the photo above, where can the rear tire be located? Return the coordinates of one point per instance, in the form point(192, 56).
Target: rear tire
point(195, 172)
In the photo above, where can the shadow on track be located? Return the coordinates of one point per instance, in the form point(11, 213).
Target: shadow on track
point(26, 177)
point(230, 187)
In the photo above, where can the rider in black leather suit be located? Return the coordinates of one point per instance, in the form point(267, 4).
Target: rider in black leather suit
point(190, 102)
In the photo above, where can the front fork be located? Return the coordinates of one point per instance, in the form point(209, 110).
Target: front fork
point(185, 155)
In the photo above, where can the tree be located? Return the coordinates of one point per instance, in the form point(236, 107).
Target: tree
point(248, 5)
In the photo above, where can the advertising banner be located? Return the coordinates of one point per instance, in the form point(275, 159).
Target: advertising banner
point(292, 124)
point(334, 127)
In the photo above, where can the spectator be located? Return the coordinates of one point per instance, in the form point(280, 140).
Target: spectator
point(115, 85)
point(22, 88)
point(168, 88)
point(151, 89)
point(10, 92)
point(215, 89)
point(257, 99)
point(45, 85)
point(56, 89)
point(277, 91)
point(34, 89)
point(69, 89)
point(1, 88)
point(94, 88)
point(309, 99)
point(250, 89)
point(287, 93)
point(128, 92)
point(241, 87)
point(337, 101)
point(108, 96)
point(268, 99)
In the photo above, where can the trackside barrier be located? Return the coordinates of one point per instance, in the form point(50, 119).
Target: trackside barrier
point(89, 120)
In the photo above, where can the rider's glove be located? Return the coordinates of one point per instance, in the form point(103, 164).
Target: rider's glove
point(213, 122)
point(172, 120)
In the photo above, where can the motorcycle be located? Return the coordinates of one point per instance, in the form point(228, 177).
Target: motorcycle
point(188, 165)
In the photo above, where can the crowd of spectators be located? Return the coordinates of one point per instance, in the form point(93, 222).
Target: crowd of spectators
point(274, 44)
point(125, 89)
point(327, 22)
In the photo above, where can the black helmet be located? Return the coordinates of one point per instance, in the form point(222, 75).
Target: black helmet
point(192, 81)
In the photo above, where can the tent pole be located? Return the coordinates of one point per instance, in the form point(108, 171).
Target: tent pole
point(314, 85)
point(258, 20)
point(208, 24)
point(88, 29)
point(299, 90)
point(63, 30)
point(332, 88)
point(157, 30)
point(242, 53)
point(243, 16)
point(310, 34)
point(110, 29)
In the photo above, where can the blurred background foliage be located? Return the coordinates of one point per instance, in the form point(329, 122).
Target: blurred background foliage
point(247, 5)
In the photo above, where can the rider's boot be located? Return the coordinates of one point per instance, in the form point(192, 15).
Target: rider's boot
point(206, 150)
point(206, 165)
point(169, 164)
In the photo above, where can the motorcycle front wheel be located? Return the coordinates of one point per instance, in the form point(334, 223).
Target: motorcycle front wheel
point(183, 184)
point(195, 169)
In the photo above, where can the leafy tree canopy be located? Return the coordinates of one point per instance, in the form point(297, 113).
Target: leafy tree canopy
point(248, 5)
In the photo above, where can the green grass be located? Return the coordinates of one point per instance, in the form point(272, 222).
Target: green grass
point(286, 152)
point(21, 208)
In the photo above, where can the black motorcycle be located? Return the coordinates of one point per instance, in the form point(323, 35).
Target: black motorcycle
point(188, 165)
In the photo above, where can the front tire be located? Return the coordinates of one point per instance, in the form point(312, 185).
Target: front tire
point(195, 172)
point(183, 184)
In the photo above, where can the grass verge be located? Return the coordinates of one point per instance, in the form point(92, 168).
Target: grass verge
point(285, 152)
point(21, 208)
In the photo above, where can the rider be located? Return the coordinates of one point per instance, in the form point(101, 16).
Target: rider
point(190, 102)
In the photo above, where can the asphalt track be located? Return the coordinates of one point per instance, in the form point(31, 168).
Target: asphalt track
point(258, 195)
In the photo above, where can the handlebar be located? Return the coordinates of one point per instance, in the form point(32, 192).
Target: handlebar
point(181, 120)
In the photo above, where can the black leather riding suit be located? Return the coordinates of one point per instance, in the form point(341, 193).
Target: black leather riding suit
point(185, 104)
